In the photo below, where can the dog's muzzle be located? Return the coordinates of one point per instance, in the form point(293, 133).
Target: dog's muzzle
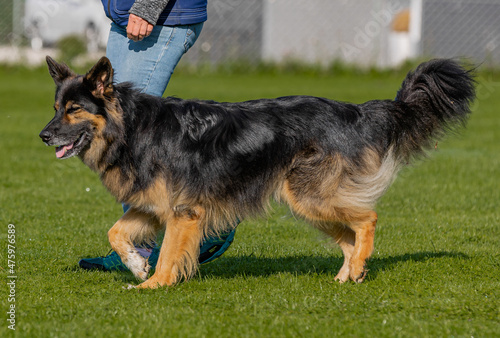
point(46, 136)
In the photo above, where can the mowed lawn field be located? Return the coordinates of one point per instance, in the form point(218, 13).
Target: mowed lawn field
point(435, 271)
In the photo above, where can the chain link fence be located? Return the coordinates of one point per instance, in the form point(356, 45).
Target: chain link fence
point(462, 28)
point(12, 13)
point(317, 31)
point(378, 32)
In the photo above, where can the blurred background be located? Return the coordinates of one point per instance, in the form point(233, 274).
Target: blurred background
point(377, 33)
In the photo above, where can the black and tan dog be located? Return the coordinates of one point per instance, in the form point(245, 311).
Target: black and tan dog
point(193, 167)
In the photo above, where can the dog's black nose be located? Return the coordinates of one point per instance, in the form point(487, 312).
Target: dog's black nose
point(45, 135)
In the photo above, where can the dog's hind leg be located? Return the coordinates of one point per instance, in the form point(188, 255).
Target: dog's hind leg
point(133, 226)
point(353, 228)
point(363, 226)
point(355, 238)
point(180, 248)
point(345, 237)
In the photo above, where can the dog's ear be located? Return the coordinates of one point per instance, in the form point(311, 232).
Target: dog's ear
point(58, 71)
point(100, 77)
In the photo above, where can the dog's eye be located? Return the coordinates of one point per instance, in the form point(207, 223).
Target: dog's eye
point(73, 108)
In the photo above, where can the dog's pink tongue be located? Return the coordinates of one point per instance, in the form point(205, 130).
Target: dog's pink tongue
point(60, 151)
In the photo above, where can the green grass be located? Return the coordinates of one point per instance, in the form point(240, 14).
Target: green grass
point(435, 270)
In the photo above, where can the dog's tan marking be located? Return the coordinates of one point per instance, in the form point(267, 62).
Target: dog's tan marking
point(92, 156)
point(364, 227)
point(118, 183)
point(345, 237)
point(75, 114)
point(155, 198)
point(180, 249)
point(99, 143)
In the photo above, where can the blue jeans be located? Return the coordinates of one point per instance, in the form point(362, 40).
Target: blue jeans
point(148, 64)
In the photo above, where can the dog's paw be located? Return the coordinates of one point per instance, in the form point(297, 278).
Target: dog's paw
point(151, 283)
point(343, 275)
point(137, 264)
point(358, 275)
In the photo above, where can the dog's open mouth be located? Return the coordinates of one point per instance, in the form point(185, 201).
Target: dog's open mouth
point(71, 149)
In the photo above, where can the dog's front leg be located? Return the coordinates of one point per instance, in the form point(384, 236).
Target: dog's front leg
point(180, 248)
point(133, 226)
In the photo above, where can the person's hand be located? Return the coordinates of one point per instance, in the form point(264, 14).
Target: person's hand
point(138, 28)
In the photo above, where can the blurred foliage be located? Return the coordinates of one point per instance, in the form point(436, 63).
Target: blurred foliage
point(71, 47)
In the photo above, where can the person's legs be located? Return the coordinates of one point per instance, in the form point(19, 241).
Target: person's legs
point(149, 64)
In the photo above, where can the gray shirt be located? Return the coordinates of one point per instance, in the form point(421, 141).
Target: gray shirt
point(149, 10)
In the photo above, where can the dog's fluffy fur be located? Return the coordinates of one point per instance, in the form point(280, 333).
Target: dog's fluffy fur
point(193, 167)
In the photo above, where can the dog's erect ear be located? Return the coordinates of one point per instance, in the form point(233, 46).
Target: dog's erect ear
point(58, 71)
point(100, 77)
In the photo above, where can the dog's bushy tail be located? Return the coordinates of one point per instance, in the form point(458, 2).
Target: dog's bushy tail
point(433, 99)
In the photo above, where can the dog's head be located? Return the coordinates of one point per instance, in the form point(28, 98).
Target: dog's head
point(82, 108)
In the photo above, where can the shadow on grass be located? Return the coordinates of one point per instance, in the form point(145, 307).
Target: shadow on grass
point(229, 267)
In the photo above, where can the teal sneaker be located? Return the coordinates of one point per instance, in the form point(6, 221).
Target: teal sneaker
point(214, 247)
point(210, 250)
point(111, 262)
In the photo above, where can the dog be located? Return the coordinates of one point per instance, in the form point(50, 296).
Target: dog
point(192, 167)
